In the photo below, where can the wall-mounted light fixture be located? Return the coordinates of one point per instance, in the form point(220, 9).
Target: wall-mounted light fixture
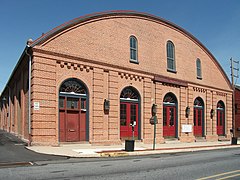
point(212, 113)
point(154, 110)
point(4, 99)
point(187, 111)
point(106, 105)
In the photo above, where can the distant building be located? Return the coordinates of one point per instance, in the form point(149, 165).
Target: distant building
point(94, 76)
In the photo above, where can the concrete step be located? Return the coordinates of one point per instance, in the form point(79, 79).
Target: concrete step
point(223, 138)
point(200, 139)
point(171, 140)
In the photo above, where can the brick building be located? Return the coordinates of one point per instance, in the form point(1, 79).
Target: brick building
point(237, 111)
point(93, 76)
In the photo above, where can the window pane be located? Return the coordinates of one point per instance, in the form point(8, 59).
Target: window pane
point(195, 114)
point(133, 54)
point(164, 117)
point(221, 118)
point(170, 64)
point(61, 102)
point(171, 117)
point(133, 113)
point(72, 103)
point(83, 103)
point(123, 121)
point(199, 118)
point(133, 43)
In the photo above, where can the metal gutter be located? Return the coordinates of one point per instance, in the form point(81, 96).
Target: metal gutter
point(29, 92)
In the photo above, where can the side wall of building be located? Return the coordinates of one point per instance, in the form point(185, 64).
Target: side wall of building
point(14, 105)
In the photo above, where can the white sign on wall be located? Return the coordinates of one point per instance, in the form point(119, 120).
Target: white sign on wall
point(36, 106)
point(186, 128)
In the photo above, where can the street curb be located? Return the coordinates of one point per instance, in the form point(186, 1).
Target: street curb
point(16, 164)
point(122, 153)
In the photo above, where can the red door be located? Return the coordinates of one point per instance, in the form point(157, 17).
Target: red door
point(72, 114)
point(128, 115)
point(72, 119)
point(169, 121)
point(198, 128)
point(220, 122)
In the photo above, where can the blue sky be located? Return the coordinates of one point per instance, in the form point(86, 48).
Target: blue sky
point(216, 23)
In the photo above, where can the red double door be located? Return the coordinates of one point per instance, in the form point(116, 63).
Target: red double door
point(220, 122)
point(128, 116)
point(169, 121)
point(72, 112)
point(198, 122)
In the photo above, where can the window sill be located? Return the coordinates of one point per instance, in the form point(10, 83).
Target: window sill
point(134, 61)
point(200, 78)
point(172, 71)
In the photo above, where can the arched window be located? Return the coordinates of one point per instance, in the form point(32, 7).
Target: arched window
point(133, 49)
point(198, 102)
point(170, 98)
point(171, 64)
point(129, 93)
point(199, 68)
point(72, 86)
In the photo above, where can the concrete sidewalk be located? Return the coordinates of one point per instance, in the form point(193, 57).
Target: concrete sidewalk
point(88, 150)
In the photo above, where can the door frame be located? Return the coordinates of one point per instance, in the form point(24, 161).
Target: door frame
point(199, 105)
point(127, 99)
point(202, 120)
point(138, 121)
point(175, 103)
point(221, 109)
point(74, 95)
point(66, 95)
point(176, 122)
point(223, 123)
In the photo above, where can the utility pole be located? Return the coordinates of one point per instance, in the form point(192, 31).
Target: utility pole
point(234, 74)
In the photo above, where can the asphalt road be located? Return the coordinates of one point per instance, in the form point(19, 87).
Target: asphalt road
point(13, 152)
point(215, 164)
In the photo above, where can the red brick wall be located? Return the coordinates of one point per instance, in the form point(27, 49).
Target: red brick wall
point(237, 111)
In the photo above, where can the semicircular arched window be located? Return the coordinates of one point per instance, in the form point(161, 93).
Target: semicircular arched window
point(198, 102)
point(72, 86)
point(220, 105)
point(169, 99)
point(129, 93)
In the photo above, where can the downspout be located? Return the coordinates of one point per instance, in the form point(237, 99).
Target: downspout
point(9, 108)
point(29, 91)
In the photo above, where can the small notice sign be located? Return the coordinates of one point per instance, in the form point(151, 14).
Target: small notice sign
point(186, 128)
point(36, 106)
